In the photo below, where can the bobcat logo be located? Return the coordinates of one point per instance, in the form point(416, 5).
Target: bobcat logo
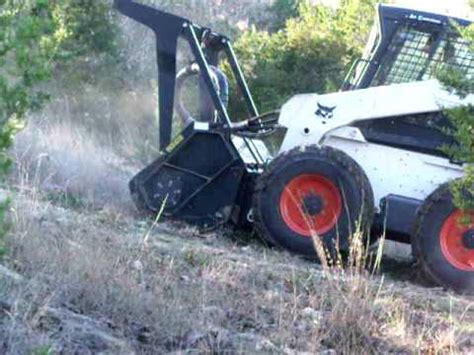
point(325, 111)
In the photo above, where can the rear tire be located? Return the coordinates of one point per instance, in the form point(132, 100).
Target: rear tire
point(442, 246)
point(312, 190)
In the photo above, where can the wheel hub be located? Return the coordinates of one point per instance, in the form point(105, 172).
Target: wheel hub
point(468, 239)
point(310, 204)
point(313, 205)
point(457, 241)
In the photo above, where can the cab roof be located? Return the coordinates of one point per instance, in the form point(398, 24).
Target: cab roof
point(394, 12)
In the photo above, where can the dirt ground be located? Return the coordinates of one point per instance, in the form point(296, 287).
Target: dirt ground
point(88, 281)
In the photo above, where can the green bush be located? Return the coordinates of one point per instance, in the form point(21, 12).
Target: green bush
point(463, 131)
point(90, 52)
point(311, 53)
point(35, 37)
point(30, 35)
point(91, 27)
point(282, 11)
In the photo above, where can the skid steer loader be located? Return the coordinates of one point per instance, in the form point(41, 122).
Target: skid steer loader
point(369, 156)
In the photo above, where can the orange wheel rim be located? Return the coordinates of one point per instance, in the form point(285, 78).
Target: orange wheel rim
point(310, 204)
point(457, 240)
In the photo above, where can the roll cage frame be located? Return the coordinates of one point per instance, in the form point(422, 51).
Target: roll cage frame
point(390, 19)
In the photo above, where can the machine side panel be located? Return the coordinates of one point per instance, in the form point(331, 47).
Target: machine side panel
point(393, 171)
point(310, 117)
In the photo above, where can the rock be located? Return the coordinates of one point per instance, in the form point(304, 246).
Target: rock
point(397, 251)
point(137, 265)
point(251, 343)
point(312, 314)
point(328, 352)
point(288, 351)
point(72, 332)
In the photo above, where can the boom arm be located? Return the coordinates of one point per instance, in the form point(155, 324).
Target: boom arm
point(205, 45)
point(167, 29)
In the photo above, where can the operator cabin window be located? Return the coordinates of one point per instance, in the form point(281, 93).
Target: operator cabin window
point(418, 53)
point(454, 52)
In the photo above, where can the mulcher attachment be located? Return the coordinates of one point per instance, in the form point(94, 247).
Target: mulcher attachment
point(197, 179)
point(200, 176)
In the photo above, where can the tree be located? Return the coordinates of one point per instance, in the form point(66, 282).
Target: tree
point(463, 129)
point(35, 36)
point(90, 52)
point(30, 35)
point(282, 11)
point(311, 53)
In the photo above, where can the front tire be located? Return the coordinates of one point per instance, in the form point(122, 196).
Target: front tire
point(311, 191)
point(443, 242)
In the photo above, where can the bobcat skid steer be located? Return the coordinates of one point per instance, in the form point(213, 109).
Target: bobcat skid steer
point(369, 156)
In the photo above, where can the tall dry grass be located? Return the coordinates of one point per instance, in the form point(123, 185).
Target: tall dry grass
point(60, 162)
point(368, 315)
point(152, 291)
point(179, 294)
point(182, 292)
point(157, 292)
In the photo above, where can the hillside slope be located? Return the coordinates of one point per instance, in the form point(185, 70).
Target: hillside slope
point(89, 281)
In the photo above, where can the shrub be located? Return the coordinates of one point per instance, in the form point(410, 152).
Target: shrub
point(35, 36)
point(282, 11)
point(30, 34)
point(463, 131)
point(310, 54)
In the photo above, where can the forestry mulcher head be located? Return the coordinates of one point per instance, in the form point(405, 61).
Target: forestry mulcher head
point(367, 158)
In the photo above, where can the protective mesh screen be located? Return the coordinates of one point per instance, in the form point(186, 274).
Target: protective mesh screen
point(419, 52)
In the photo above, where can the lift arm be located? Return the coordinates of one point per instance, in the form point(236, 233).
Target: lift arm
point(167, 29)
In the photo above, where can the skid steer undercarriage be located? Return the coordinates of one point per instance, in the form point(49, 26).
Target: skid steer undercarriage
point(367, 157)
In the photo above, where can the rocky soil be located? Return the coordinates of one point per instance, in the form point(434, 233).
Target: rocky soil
point(83, 281)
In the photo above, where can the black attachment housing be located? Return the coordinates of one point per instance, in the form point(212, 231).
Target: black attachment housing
point(200, 177)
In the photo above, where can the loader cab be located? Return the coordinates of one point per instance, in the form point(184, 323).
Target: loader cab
point(407, 45)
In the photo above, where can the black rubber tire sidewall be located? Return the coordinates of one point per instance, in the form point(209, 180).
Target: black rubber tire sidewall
point(313, 161)
point(427, 246)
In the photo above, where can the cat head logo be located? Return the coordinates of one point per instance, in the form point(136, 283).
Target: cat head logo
point(325, 111)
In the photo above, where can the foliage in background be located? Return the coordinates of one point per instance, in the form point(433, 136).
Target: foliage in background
point(90, 52)
point(282, 11)
point(311, 53)
point(30, 34)
point(91, 25)
point(36, 35)
point(463, 131)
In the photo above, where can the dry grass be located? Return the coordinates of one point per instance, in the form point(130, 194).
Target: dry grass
point(90, 284)
point(60, 161)
point(184, 291)
point(122, 119)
